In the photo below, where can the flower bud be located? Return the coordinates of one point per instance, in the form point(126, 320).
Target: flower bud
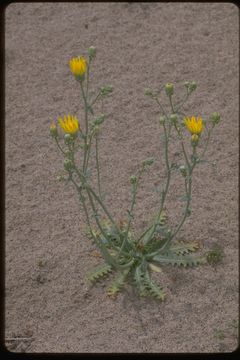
point(192, 86)
point(173, 118)
point(194, 139)
point(61, 178)
point(100, 119)
point(96, 129)
point(106, 90)
point(162, 120)
point(215, 118)
point(148, 161)
point(169, 89)
point(92, 52)
point(53, 130)
point(68, 164)
point(68, 139)
point(148, 92)
point(133, 179)
point(183, 170)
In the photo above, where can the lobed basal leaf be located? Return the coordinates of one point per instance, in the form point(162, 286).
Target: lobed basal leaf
point(118, 283)
point(181, 248)
point(179, 260)
point(99, 272)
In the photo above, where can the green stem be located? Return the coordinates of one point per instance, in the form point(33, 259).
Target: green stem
point(98, 95)
point(171, 104)
point(109, 258)
point(85, 108)
point(98, 168)
point(86, 127)
point(135, 187)
point(89, 150)
point(182, 145)
point(152, 228)
point(207, 142)
point(188, 188)
point(88, 70)
point(103, 207)
point(57, 142)
point(181, 103)
point(161, 107)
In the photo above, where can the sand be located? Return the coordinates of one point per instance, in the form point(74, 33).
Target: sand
point(48, 304)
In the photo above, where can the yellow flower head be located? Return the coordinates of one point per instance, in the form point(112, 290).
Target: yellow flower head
point(78, 66)
point(194, 125)
point(69, 124)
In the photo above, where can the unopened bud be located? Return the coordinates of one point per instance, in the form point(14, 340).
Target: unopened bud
point(106, 90)
point(195, 139)
point(162, 120)
point(148, 161)
point(53, 130)
point(61, 178)
point(133, 179)
point(215, 117)
point(183, 170)
point(100, 119)
point(192, 86)
point(68, 164)
point(173, 118)
point(68, 139)
point(92, 52)
point(169, 89)
point(148, 92)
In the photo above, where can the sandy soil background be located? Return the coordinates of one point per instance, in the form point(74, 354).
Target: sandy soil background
point(48, 302)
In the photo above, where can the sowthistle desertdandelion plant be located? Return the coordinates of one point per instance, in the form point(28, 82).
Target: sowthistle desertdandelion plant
point(132, 258)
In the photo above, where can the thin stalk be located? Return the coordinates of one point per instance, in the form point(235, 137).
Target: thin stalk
point(164, 193)
point(98, 168)
point(89, 150)
point(188, 187)
point(86, 127)
point(103, 207)
point(85, 108)
point(87, 80)
point(83, 181)
point(161, 107)
point(207, 142)
point(57, 142)
point(97, 97)
point(182, 102)
point(131, 209)
point(171, 104)
point(109, 258)
point(182, 145)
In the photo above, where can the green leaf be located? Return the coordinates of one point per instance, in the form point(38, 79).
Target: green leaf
point(184, 198)
point(152, 289)
point(90, 109)
point(99, 272)
point(118, 283)
point(179, 260)
point(182, 248)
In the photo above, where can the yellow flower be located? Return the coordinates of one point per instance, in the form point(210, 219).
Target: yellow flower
point(194, 125)
point(69, 124)
point(78, 66)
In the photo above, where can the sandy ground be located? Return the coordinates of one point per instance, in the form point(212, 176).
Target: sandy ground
point(48, 302)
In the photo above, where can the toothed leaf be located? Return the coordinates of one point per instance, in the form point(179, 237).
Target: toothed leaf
point(99, 272)
point(179, 260)
point(117, 284)
point(182, 248)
